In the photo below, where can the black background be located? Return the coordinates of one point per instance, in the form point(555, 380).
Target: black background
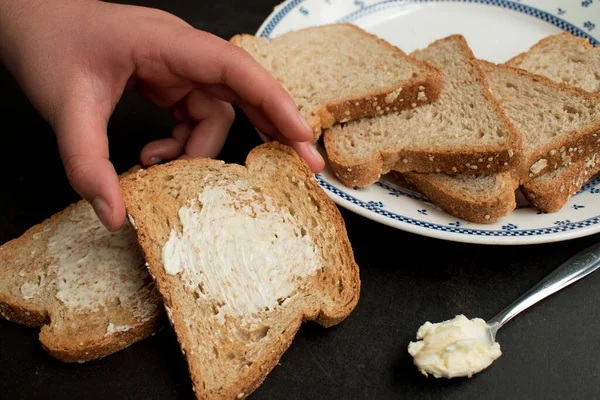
point(551, 351)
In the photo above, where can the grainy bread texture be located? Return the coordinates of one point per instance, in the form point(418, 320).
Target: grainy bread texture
point(558, 125)
point(550, 191)
point(572, 60)
point(464, 131)
point(564, 58)
point(242, 256)
point(339, 72)
point(87, 288)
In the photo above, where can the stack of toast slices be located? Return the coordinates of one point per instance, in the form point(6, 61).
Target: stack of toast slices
point(530, 124)
point(239, 256)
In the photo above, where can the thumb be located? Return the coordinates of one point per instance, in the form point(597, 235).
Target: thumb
point(81, 135)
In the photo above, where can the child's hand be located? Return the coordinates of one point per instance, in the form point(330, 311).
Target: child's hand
point(74, 58)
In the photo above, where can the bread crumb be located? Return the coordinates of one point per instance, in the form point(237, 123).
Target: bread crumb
point(539, 166)
point(510, 153)
point(413, 105)
point(392, 96)
point(562, 188)
point(454, 169)
point(421, 97)
point(473, 166)
point(552, 152)
point(347, 112)
point(405, 161)
point(487, 217)
point(421, 88)
point(490, 158)
point(357, 104)
point(241, 395)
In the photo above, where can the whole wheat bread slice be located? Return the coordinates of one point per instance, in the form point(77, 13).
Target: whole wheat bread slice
point(242, 256)
point(558, 124)
point(550, 191)
point(480, 199)
point(464, 131)
point(572, 60)
point(564, 58)
point(339, 72)
point(87, 288)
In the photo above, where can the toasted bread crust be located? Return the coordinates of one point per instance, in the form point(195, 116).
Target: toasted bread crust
point(476, 160)
point(548, 40)
point(373, 103)
point(78, 346)
point(477, 210)
point(578, 145)
point(551, 196)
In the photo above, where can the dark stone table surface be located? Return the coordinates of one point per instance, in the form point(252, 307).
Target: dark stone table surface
point(550, 351)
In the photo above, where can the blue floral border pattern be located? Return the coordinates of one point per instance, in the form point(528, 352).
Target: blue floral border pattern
point(563, 226)
point(375, 207)
point(511, 5)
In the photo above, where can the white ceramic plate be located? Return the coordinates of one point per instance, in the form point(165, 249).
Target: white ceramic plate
point(496, 30)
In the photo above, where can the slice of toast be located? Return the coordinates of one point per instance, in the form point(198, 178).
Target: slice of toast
point(339, 72)
point(481, 199)
point(572, 60)
point(550, 191)
point(242, 256)
point(464, 131)
point(87, 288)
point(564, 58)
point(558, 125)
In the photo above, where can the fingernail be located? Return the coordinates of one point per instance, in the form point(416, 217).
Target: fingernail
point(102, 210)
point(304, 123)
point(155, 160)
point(315, 152)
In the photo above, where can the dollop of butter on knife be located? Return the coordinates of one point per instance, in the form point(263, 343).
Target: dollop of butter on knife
point(455, 348)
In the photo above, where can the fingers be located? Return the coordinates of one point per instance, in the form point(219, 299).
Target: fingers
point(81, 135)
point(208, 59)
point(215, 116)
point(166, 149)
point(204, 139)
point(305, 150)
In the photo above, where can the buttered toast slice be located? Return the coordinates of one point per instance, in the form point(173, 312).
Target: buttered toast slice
point(464, 131)
point(339, 72)
point(87, 288)
point(242, 256)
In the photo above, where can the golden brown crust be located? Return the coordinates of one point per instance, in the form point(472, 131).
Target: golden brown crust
point(475, 160)
point(578, 145)
point(29, 316)
point(548, 40)
point(66, 350)
point(551, 196)
point(17, 309)
point(415, 92)
point(477, 210)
